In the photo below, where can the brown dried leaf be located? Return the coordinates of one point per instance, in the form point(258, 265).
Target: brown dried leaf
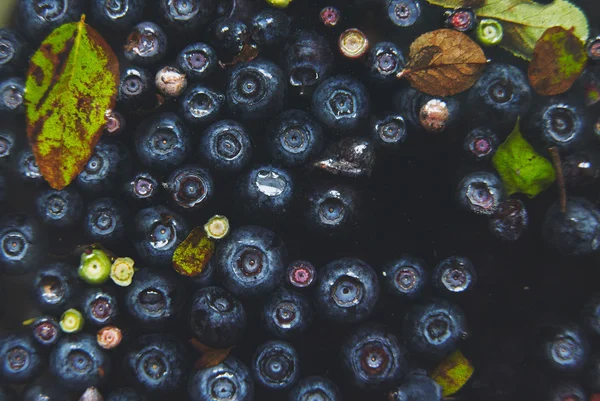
point(210, 356)
point(444, 62)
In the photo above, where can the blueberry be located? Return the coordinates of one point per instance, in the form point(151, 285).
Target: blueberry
point(582, 169)
point(454, 274)
point(301, 274)
point(266, 191)
point(154, 299)
point(105, 167)
point(575, 232)
point(105, 221)
point(37, 18)
point(270, 27)
point(251, 261)
point(480, 144)
point(186, 16)
point(229, 380)
point(350, 157)
point(23, 244)
point(12, 91)
point(9, 394)
point(198, 61)
point(55, 287)
point(146, 44)
point(157, 364)
point(27, 168)
point(119, 15)
point(405, 277)
point(315, 388)
point(14, 51)
point(592, 374)
point(46, 331)
point(461, 19)
point(591, 315)
point(142, 186)
point(480, 192)
point(228, 36)
point(99, 306)
point(8, 145)
point(217, 318)
point(565, 391)
point(332, 208)
point(275, 365)
point(373, 358)
point(383, 61)
point(137, 90)
point(347, 291)
point(287, 314)
point(434, 328)
point(59, 208)
point(294, 137)
point(417, 387)
point(190, 187)
point(45, 389)
point(200, 105)
point(306, 59)
point(425, 112)
point(403, 13)
point(21, 359)
point(77, 362)
point(225, 146)
point(510, 220)
point(388, 131)
point(125, 394)
point(162, 142)
point(562, 348)
point(341, 103)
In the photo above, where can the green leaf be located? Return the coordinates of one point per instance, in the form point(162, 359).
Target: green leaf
point(521, 168)
point(525, 21)
point(452, 373)
point(193, 254)
point(71, 84)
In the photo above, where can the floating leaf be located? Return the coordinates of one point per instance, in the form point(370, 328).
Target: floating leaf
point(71, 83)
point(521, 168)
point(193, 254)
point(525, 21)
point(443, 62)
point(210, 356)
point(559, 58)
point(452, 373)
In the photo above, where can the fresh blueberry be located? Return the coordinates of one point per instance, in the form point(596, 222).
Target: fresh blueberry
point(162, 142)
point(59, 208)
point(434, 328)
point(207, 277)
point(275, 365)
point(270, 27)
point(228, 36)
point(565, 391)
point(454, 274)
point(104, 170)
point(200, 105)
point(591, 315)
point(315, 388)
point(480, 192)
point(186, 16)
point(198, 61)
point(426, 112)
point(417, 387)
point(229, 380)
point(146, 44)
point(256, 90)
point(55, 288)
point(575, 232)
point(45, 389)
point(125, 394)
point(373, 358)
point(294, 137)
point(301, 274)
point(266, 191)
point(9, 394)
point(383, 61)
point(217, 318)
point(347, 291)
point(23, 244)
point(582, 169)
point(226, 146)
point(402, 13)
point(154, 299)
point(510, 220)
point(480, 144)
point(37, 18)
point(388, 131)
point(13, 52)
point(105, 221)
point(142, 186)
point(287, 314)
point(12, 91)
point(562, 348)
point(99, 306)
point(8, 144)
point(119, 15)
point(190, 187)
point(158, 364)
point(350, 157)
point(137, 91)
point(77, 362)
point(405, 277)
point(46, 331)
point(21, 359)
point(251, 261)
point(27, 168)
point(341, 103)
point(332, 208)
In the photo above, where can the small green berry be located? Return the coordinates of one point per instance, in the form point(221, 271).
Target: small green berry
point(71, 321)
point(217, 227)
point(94, 267)
point(122, 271)
point(489, 32)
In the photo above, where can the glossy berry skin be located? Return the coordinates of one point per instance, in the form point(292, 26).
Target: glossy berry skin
point(347, 291)
point(575, 232)
point(190, 187)
point(294, 138)
point(99, 306)
point(198, 61)
point(137, 90)
point(146, 44)
point(434, 328)
point(287, 314)
point(405, 277)
point(225, 146)
point(480, 193)
point(251, 261)
point(105, 221)
point(21, 358)
point(301, 274)
point(154, 299)
point(388, 131)
point(105, 167)
point(480, 144)
point(565, 391)
point(256, 89)
point(142, 187)
point(229, 380)
point(59, 208)
point(207, 277)
point(455, 274)
point(14, 51)
point(12, 92)
point(402, 13)
point(417, 387)
point(44, 389)
point(306, 59)
point(383, 61)
point(217, 318)
point(46, 331)
point(162, 142)
point(275, 365)
point(270, 27)
point(313, 388)
point(562, 348)
point(581, 169)
point(125, 394)
point(332, 208)
point(266, 191)
point(117, 15)
point(8, 146)
point(77, 362)
point(510, 220)
point(373, 358)
point(200, 105)
point(36, 19)
point(55, 288)
point(227, 36)
point(186, 16)
point(351, 156)
point(341, 103)
point(23, 244)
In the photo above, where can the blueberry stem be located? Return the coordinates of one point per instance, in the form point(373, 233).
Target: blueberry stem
point(560, 178)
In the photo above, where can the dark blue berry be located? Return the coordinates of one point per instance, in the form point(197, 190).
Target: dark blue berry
point(119, 15)
point(294, 137)
point(12, 92)
point(349, 157)
point(265, 191)
point(332, 208)
point(565, 391)
point(461, 19)
point(105, 168)
point(251, 261)
point(228, 36)
point(301, 274)
point(55, 288)
point(8, 145)
point(105, 221)
point(275, 365)
point(405, 277)
point(510, 220)
point(403, 13)
point(417, 387)
point(347, 290)
point(454, 274)
point(13, 52)
point(45, 389)
point(99, 307)
point(198, 61)
point(315, 388)
point(125, 394)
point(190, 187)
point(46, 331)
point(287, 314)
point(591, 315)
point(229, 380)
point(581, 169)
point(225, 146)
point(388, 131)
point(186, 16)
point(270, 27)
point(27, 168)
point(137, 90)
point(146, 44)
point(480, 193)
point(306, 59)
point(59, 208)
point(23, 244)
point(480, 144)
point(21, 359)
point(562, 348)
point(142, 186)
point(200, 105)
point(37, 18)
point(217, 318)
point(383, 61)
point(77, 362)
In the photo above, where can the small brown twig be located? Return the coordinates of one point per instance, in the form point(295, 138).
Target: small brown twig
point(560, 178)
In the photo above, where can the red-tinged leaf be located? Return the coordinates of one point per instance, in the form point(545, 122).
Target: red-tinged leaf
point(452, 373)
point(192, 255)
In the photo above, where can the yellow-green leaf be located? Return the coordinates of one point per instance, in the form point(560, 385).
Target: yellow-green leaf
point(525, 21)
point(521, 168)
point(452, 373)
point(193, 254)
point(71, 84)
